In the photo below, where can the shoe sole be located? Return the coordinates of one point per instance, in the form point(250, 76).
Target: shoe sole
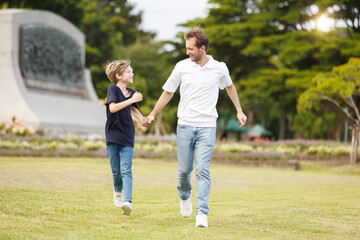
point(200, 225)
point(186, 216)
point(126, 209)
point(201, 221)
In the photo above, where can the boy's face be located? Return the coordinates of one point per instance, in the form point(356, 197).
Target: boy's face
point(127, 76)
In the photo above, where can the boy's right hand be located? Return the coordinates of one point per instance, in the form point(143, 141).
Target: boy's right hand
point(148, 120)
point(137, 97)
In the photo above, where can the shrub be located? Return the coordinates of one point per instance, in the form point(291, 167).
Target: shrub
point(93, 145)
point(328, 150)
point(16, 127)
point(234, 147)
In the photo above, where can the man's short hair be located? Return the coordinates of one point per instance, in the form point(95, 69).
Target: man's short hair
point(116, 67)
point(201, 38)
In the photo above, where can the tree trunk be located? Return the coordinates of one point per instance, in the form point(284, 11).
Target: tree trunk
point(221, 130)
point(219, 134)
point(338, 127)
point(162, 129)
point(250, 119)
point(354, 145)
point(282, 124)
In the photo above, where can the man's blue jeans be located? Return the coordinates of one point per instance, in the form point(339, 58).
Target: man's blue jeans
point(121, 163)
point(195, 142)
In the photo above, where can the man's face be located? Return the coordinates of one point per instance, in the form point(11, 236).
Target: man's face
point(194, 52)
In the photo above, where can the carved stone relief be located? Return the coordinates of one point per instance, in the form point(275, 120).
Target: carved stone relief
point(51, 60)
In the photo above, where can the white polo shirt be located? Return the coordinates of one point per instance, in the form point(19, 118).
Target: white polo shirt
point(199, 90)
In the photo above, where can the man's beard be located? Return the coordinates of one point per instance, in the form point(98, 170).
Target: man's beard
point(196, 59)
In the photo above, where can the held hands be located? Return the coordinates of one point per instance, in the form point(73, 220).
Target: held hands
point(241, 118)
point(148, 120)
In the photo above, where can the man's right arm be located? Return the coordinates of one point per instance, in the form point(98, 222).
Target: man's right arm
point(161, 103)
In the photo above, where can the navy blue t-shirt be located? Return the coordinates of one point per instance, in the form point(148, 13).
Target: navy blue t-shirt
point(119, 126)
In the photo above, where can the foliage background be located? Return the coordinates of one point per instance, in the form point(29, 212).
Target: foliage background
point(272, 48)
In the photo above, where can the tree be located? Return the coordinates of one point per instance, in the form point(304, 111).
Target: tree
point(112, 32)
point(106, 24)
point(296, 57)
point(346, 11)
point(273, 52)
point(338, 90)
point(69, 9)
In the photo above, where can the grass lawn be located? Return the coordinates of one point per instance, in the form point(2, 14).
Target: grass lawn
point(71, 198)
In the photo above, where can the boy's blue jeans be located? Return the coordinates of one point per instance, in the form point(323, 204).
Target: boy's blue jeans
point(121, 163)
point(195, 142)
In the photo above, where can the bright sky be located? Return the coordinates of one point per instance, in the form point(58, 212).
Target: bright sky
point(162, 16)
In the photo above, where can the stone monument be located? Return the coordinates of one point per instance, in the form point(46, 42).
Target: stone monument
point(42, 74)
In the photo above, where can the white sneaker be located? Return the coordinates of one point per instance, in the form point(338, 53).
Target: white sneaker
point(186, 207)
point(126, 207)
point(118, 199)
point(201, 220)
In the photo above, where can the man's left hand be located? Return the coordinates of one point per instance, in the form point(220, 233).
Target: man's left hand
point(241, 118)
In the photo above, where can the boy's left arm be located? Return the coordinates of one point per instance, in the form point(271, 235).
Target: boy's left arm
point(137, 114)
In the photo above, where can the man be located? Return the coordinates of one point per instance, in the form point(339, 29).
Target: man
point(200, 78)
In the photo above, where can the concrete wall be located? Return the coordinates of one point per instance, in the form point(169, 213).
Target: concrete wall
point(55, 113)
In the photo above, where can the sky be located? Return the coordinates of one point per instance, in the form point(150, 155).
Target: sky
point(162, 16)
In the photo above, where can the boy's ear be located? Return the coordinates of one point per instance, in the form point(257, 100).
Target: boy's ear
point(118, 76)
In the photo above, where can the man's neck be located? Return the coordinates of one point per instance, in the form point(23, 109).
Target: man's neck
point(203, 60)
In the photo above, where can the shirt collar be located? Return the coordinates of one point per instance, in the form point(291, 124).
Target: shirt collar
point(209, 64)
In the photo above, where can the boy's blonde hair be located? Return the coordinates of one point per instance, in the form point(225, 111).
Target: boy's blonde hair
point(116, 67)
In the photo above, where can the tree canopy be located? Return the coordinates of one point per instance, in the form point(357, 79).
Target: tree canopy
point(279, 60)
point(273, 50)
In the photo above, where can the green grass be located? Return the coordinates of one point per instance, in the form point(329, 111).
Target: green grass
point(71, 198)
